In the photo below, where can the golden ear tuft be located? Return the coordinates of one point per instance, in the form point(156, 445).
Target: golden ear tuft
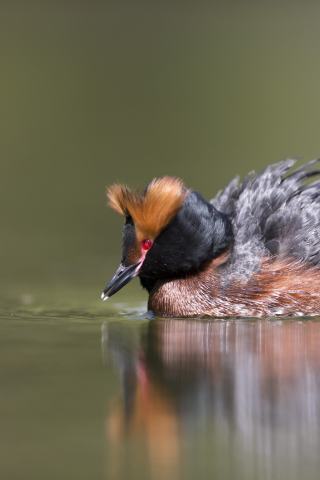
point(151, 210)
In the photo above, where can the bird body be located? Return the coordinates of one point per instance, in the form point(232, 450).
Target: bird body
point(279, 288)
point(253, 250)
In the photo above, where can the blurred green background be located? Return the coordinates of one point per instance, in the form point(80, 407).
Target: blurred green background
point(94, 92)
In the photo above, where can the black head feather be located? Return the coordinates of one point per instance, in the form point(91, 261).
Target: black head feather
point(196, 234)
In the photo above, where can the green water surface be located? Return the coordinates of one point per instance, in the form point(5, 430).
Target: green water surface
point(106, 391)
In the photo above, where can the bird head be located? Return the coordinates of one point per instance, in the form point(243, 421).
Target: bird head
point(168, 230)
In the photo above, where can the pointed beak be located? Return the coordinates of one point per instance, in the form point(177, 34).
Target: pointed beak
point(122, 276)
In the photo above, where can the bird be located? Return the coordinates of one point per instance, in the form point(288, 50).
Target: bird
point(251, 251)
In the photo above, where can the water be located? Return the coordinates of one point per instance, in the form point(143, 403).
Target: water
point(215, 399)
point(108, 392)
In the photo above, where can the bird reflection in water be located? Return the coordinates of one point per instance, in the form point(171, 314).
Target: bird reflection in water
point(226, 398)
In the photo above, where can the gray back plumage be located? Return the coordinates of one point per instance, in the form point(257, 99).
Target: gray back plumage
point(272, 215)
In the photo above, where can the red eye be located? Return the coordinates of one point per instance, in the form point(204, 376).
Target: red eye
point(146, 244)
